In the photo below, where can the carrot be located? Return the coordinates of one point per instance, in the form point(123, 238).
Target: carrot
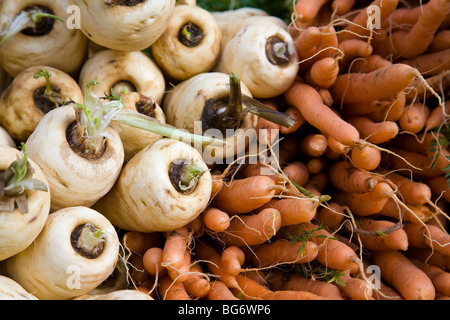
point(215, 219)
point(323, 73)
point(317, 183)
point(412, 213)
point(337, 147)
point(244, 195)
point(139, 242)
point(175, 247)
point(365, 204)
point(428, 236)
point(365, 157)
point(297, 116)
point(252, 290)
point(316, 165)
point(430, 256)
point(181, 274)
point(288, 149)
point(282, 251)
point(310, 105)
point(441, 41)
point(412, 192)
point(369, 64)
point(375, 85)
point(397, 270)
point(346, 177)
point(414, 117)
point(331, 216)
point(411, 43)
point(439, 186)
point(298, 172)
point(293, 210)
point(375, 132)
point(217, 184)
point(152, 260)
point(355, 288)
point(427, 88)
point(327, 98)
point(232, 260)
point(313, 145)
point(197, 284)
point(354, 48)
point(431, 63)
point(436, 117)
point(381, 235)
point(440, 278)
point(383, 292)
point(279, 280)
point(306, 10)
point(138, 273)
point(332, 253)
point(170, 290)
point(251, 229)
point(391, 110)
point(342, 7)
point(219, 291)
point(266, 128)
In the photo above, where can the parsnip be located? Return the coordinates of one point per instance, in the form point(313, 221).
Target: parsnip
point(6, 139)
point(135, 139)
point(264, 56)
point(117, 280)
point(75, 252)
point(123, 72)
point(11, 290)
point(50, 43)
point(24, 201)
point(124, 25)
point(163, 187)
point(128, 294)
point(190, 44)
point(34, 92)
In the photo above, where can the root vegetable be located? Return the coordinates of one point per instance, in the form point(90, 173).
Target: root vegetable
point(428, 236)
point(264, 56)
point(219, 291)
point(170, 290)
point(375, 132)
point(33, 93)
point(24, 201)
point(124, 25)
point(48, 44)
point(120, 72)
point(346, 177)
point(190, 44)
point(375, 235)
point(6, 139)
point(440, 278)
point(11, 290)
point(162, 188)
point(294, 210)
point(75, 252)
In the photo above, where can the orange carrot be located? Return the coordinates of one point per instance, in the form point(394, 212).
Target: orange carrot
point(170, 290)
point(431, 63)
point(293, 210)
point(197, 284)
point(439, 186)
point(355, 288)
point(251, 229)
point(297, 116)
point(310, 105)
point(219, 291)
point(414, 117)
point(365, 204)
point(391, 110)
point(244, 195)
point(397, 270)
point(375, 132)
point(337, 147)
point(326, 96)
point(232, 260)
point(181, 274)
point(342, 7)
point(306, 10)
point(430, 256)
point(215, 219)
point(282, 251)
point(217, 184)
point(331, 216)
point(369, 64)
point(139, 242)
point(365, 157)
point(428, 236)
point(346, 177)
point(152, 259)
point(354, 48)
point(441, 41)
point(381, 235)
point(252, 290)
point(375, 85)
point(412, 192)
point(413, 213)
point(313, 145)
point(298, 172)
point(323, 73)
point(439, 277)
point(436, 117)
point(316, 165)
point(175, 247)
point(279, 280)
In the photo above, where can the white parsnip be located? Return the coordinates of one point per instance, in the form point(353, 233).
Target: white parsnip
point(6, 139)
point(11, 290)
point(75, 252)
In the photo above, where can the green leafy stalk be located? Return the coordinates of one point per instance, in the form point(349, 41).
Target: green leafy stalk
point(56, 98)
point(317, 271)
point(25, 19)
point(15, 181)
point(234, 109)
point(261, 110)
point(300, 235)
point(309, 194)
point(190, 175)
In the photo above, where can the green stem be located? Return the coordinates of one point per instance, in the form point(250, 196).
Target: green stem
point(190, 175)
point(25, 19)
point(261, 110)
point(234, 108)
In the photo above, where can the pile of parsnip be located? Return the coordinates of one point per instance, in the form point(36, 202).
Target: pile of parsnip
point(128, 167)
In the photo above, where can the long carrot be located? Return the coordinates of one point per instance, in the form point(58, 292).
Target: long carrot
point(382, 235)
point(375, 132)
point(406, 213)
point(370, 63)
point(346, 177)
point(412, 192)
point(139, 242)
point(428, 236)
point(355, 288)
point(398, 271)
point(432, 63)
point(294, 210)
point(439, 277)
point(319, 115)
point(175, 247)
point(430, 256)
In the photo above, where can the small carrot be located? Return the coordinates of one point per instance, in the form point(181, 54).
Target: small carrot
point(316, 165)
point(365, 157)
point(251, 229)
point(331, 216)
point(314, 145)
point(294, 210)
point(215, 219)
point(441, 41)
point(355, 288)
point(391, 110)
point(436, 117)
point(375, 132)
point(170, 290)
point(181, 274)
point(316, 113)
point(298, 172)
point(397, 270)
point(428, 236)
point(342, 7)
point(306, 10)
point(323, 73)
point(439, 186)
point(244, 195)
point(232, 260)
point(414, 118)
point(354, 48)
point(431, 64)
point(346, 177)
point(139, 242)
point(175, 247)
point(152, 259)
point(439, 277)
point(197, 284)
point(382, 235)
point(336, 147)
point(412, 192)
point(412, 213)
point(369, 64)
point(219, 291)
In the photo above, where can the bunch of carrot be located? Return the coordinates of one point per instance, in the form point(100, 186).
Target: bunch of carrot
point(350, 202)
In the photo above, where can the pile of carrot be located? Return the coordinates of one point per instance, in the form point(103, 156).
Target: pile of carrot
point(355, 205)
